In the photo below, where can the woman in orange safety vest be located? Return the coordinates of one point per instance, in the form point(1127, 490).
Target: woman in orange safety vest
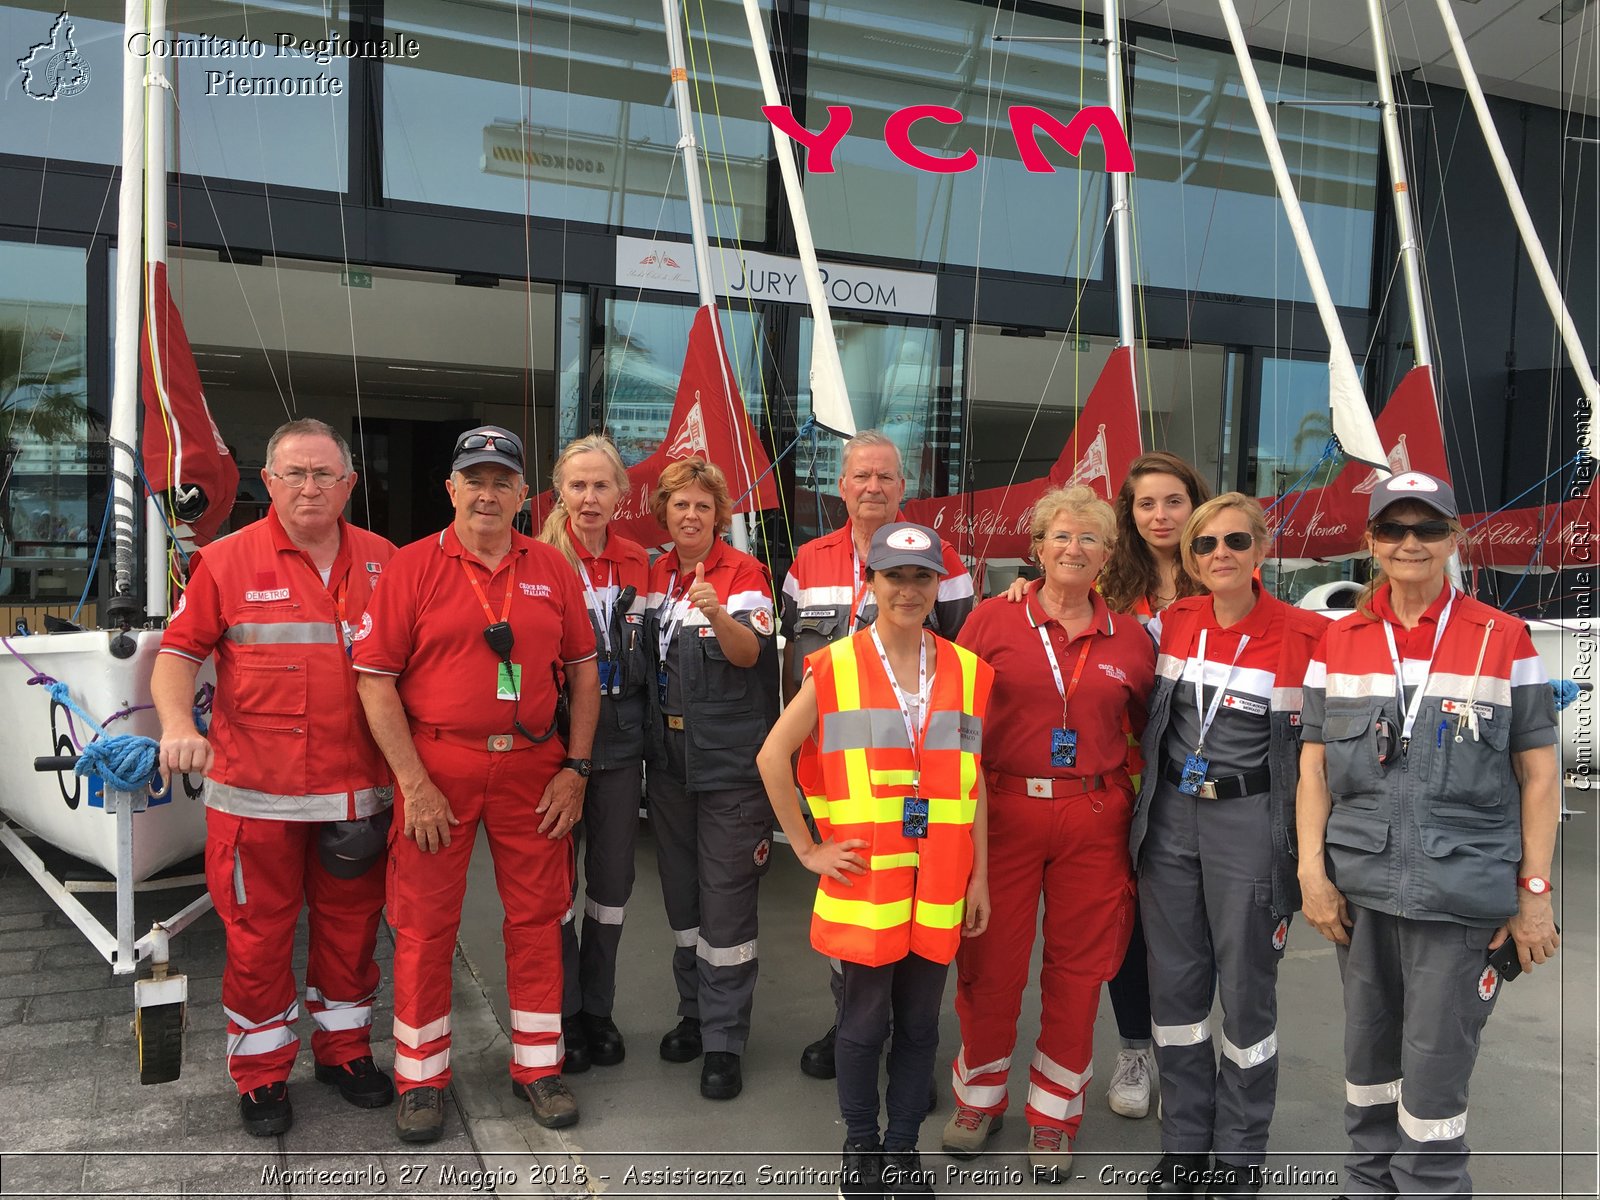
point(889, 727)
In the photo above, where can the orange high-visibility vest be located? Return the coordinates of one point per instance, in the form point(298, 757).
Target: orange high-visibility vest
point(856, 773)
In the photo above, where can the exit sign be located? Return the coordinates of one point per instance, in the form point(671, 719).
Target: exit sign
point(360, 279)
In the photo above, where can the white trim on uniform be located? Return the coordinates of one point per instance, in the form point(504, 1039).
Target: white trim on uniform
point(523, 1021)
point(604, 914)
point(1432, 1129)
point(1370, 1095)
point(1073, 1081)
point(685, 938)
point(725, 956)
point(1058, 1108)
point(1181, 1035)
point(416, 1037)
point(1246, 1057)
point(547, 1055)
point(418, 1069)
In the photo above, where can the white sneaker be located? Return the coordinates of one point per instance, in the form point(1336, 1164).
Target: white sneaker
point(1131, 1083)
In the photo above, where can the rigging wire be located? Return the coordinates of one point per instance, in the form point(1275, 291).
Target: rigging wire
point(525, 104)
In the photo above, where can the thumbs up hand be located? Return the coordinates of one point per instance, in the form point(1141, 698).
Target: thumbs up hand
point(702, 595)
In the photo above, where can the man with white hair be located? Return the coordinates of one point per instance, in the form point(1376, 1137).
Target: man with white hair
point(825, 597)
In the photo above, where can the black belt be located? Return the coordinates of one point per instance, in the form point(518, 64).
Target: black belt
point(1229, 787)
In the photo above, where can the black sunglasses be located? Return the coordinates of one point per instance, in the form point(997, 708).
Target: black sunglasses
point(490, 441)
point(1206, 543)
point(1395, 531)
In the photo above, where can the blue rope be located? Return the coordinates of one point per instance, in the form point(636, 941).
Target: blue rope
point(808, 427)
point(172, 538)
point(1574, 463)
point(1296, 489)
point(128, 762)
point(94, 562)
point(1555, 515)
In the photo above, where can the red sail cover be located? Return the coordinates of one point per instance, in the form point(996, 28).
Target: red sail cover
point(708, 419)
point(1328, 521)
point(185, 458)
point(993, 522)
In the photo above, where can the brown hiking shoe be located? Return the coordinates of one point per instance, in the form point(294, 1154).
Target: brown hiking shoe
point(420, 1117)
point(554, 1106)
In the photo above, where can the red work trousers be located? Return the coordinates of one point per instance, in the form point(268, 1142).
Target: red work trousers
point(1074, 852)
point(260, 873)
point(534, 875)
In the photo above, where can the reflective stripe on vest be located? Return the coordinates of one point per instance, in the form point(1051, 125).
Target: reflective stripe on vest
point(284, 633)
point(855, 775)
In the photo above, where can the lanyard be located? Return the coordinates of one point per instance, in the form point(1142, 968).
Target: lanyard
point(1210, 714)
point(674, 618)
point(338, 609)
point(1064, 691)
point(857, 578)
point(603, 612)
point(505, 608)
point(1411, 710)
point(914, 735)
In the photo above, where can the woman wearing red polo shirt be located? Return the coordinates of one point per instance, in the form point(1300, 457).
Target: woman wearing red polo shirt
point(590, 480)
point(1070, 678)
point(1143, 575)
point(1211, 840)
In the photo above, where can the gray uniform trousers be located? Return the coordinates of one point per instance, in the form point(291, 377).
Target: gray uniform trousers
point(1414, 1007)
point(605, 840)
point(1205, 889)
point(712, 848)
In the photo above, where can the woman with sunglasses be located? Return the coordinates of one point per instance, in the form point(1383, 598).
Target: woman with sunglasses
point(1211, 844)
point(1429, 800)
point(1143, 575)
point(1070, 679)
point(709, 629)
point(590, 481)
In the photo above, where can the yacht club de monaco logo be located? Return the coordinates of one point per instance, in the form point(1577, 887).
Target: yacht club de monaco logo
point(54, 68)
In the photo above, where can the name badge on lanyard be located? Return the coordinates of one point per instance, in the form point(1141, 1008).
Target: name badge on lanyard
point(673, 611)
point(914, 808)
point(1064, 740)
point(1197, 766)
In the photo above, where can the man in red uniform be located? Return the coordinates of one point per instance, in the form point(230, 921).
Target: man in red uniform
point(459, 679)
point(289, 762)
point(825, 597)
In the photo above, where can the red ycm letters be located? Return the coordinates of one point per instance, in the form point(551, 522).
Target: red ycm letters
point(1027, 122)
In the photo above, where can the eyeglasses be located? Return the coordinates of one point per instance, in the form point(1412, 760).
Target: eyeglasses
point(297, 479)
point(1395, 531)
point(1206, 543)
point(490, 441)
point(1087, 541)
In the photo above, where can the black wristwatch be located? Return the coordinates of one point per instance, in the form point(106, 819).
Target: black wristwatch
point(582, 766)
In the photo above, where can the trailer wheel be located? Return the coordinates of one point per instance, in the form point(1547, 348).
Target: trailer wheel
point(158, 1030)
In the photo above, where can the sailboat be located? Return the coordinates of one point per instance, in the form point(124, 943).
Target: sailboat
point(50, 682)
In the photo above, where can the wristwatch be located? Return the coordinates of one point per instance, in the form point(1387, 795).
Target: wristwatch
point(1537, 884)
point(584, 767)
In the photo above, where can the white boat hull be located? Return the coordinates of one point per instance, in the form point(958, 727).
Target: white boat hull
point(68, 812)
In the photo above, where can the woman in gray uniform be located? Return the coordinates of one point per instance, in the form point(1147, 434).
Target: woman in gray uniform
point(1429, 799)
point(710, 632)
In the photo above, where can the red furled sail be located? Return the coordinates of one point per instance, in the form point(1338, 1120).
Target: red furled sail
point(992, 523)
point(185, 459)
point(1328, 522)
point(708, 419)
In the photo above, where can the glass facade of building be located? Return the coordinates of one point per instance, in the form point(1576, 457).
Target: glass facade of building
point(439, 235)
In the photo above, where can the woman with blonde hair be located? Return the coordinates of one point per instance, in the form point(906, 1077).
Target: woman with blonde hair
point(710, 632)
point(1071, 678)
point(1212, 843)
point(590, 480)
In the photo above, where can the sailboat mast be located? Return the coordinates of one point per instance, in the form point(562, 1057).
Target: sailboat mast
point(1352, 419)
point(1121, 208)
point(830, 402)
point(677, 60)
point(124, 433)
point(155, 251)
point(1565, 325)
point(1404, 218)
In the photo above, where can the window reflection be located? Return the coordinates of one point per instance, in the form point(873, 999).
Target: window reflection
point(878, 56)
point(1208, 214)
point(46, 456)
point(642, 359)
point(295, 140)
point(562, 109)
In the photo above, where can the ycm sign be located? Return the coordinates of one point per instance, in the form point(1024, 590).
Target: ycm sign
point(1027, 122)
